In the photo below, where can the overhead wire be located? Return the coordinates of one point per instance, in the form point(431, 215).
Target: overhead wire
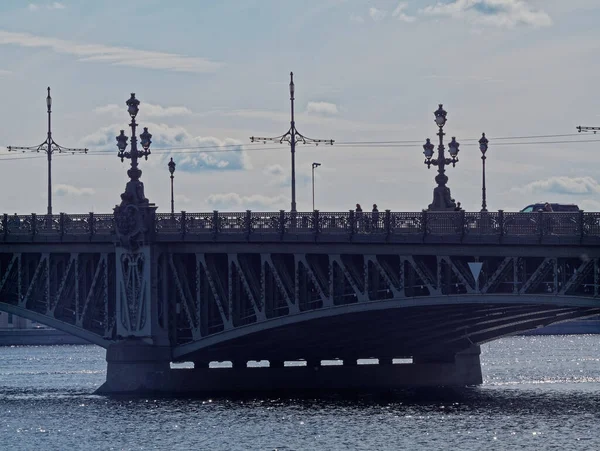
point(250, 147)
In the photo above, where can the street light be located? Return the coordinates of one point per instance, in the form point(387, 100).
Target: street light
point(172, 171)
point(49, 146)
point(314, 165)
point(442, 200)
point(293, 137)
point(483, 146)
point(134, 191)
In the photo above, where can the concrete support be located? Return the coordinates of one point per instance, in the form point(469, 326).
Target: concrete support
point(137, 368)
point(133, 366)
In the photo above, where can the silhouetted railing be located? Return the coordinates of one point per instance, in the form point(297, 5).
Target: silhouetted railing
point(337, 226)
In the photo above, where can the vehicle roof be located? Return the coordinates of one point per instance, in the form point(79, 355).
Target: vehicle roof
point(554, 205)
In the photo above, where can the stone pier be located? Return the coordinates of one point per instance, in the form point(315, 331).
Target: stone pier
point(136, 368)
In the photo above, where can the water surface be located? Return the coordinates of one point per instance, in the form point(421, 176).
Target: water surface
point(538, 393)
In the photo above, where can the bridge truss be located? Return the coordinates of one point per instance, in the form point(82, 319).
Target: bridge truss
point(253, 301)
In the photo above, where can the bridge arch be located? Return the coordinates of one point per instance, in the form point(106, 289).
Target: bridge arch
point(453, 321)
point(55, 324)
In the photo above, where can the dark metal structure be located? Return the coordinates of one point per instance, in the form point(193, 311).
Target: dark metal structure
point(313, 166)
point(442, 199)
point(588, 129)
point(49, 146)
point(171, 166)
point(239, 293)
point(483, 147)
point(293, 137)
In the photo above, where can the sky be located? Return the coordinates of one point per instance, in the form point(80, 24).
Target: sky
point(211, 74)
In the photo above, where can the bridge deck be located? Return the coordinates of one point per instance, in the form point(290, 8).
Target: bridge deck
point(388, 227)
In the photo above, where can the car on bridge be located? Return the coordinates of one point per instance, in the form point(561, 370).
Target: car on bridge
point(555, 207)
point(563, 220)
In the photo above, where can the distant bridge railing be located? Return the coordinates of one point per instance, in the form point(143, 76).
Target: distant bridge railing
point(458, 226)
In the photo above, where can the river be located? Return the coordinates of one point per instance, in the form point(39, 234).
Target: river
point(539, 393)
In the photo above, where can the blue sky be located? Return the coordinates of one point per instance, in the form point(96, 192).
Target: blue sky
point(211, 74)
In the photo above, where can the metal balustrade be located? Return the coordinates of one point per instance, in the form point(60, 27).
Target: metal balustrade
point(548, 227)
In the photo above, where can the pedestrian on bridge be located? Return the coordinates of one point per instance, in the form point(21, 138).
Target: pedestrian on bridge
point(548, 222)
point(358, 217)
point(375, 217)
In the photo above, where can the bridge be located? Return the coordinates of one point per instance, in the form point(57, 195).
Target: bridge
point(157, 288)
point(425, 287)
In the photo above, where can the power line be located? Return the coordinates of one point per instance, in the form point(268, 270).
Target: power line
point(466, 139)
point(193, 150)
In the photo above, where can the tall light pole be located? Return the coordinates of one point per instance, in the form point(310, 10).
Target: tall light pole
point(314, 165)
point(134, 190)
point(442, 200)
point(293, 136)
point(171, 165)
point(49, 146)
point(483, 146)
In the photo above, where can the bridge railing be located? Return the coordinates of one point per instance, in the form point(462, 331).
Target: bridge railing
point(385, 225)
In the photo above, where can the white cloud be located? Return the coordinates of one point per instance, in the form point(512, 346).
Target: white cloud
point(324, 108)
point(401, 15)
point(377, 14)
point(146, 109)
point(117, 56)
point(235, 201)
point(501, 13)
point(182, 199)
point(562, 185)
point(53, 5)
point(333, 122)
point(4, 72)
point(191, 153)
point(276, 175)
point(356, 19)
point(70, 190)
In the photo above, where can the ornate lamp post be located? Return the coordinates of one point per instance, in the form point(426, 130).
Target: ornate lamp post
point(314, 165)
point(171, 165)
point(483, 146)
point(442, 200)
point(134, 191)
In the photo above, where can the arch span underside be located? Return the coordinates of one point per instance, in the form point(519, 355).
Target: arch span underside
point(396, 328)
point(63, 326)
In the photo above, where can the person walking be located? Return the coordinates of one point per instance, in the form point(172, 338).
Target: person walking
point(548, 222)
point(375, 217)
point(358, 217)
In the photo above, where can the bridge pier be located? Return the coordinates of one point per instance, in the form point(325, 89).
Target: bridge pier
point(135, 367)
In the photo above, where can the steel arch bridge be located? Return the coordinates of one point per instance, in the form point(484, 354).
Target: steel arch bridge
point(267, 286)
